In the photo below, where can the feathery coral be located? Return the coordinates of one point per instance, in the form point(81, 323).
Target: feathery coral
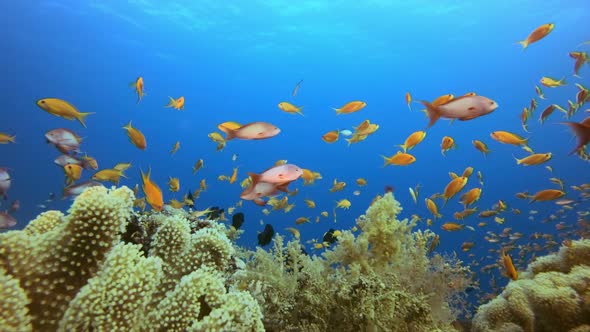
point(378, 280)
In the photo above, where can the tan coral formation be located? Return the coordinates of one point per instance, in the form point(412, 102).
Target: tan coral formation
point(553, 294)
point(73, 273)
point(380, 280)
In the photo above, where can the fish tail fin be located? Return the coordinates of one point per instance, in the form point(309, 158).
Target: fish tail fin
point(524, 44)
point(338, 110)
point(299, 110)
point(229, 134)
point(12, 139)
point(127, 126)
point(518, 161)
point(387, 162)
point(403, 146)
point(171, 103)
point(255, 178)
point(432, 112)
point(582, 132)
point(82, 116)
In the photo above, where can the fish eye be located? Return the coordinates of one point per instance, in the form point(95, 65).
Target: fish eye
point(42, 101)
point(492, 102)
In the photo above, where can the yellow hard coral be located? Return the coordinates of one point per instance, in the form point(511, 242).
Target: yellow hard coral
point(14, 316)
point(552, 295)
point(45, 222)
point(191, 300)
point(117, 298)
point(53, 266)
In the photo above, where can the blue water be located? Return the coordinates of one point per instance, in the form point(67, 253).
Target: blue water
point(235, 61)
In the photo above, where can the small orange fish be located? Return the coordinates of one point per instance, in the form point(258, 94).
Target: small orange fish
point(538, 34)
point(152, 192)
point(399, 159)
point(414, 139)
point(451, 227)
point(5, 138)
point(453, 187)
point(138, 86)
point(176, 103)
point(135, 136)
point(447, 144)
point(331, 136)
point(509, 266)
point(233, 176)
point(351, 107)
point(175, 148)
point(547, 195)
point(409, 100)
point(509, 138)
point(481, 147)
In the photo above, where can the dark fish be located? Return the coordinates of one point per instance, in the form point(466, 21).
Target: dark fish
point(329, 236)
point(237, 220)
point(214, 214)
point(190, 197)
point(266, 235)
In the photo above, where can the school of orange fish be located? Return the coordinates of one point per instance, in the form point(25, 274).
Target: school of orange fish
point(263, 188)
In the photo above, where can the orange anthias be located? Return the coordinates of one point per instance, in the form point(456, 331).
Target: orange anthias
point(152, 192)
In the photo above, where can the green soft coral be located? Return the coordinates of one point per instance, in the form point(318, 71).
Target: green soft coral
point(380, 279)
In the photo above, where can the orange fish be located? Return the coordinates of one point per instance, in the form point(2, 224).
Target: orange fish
point(481, 146)
point(547, 195)
point(351, 107)
point(331, 136)
point(138, 86)
point(453, 187)
point(447, 144)
point(451, 226)
point(538, 34)
point(399, 159)
point(409, 100)
point(5, 138)
point(152, 192)
point(414, 139)
point(509, 266)
point(176, 103)
point(135, 136)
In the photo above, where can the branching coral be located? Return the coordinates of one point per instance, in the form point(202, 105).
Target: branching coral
point(381, 279)
point(553, 294)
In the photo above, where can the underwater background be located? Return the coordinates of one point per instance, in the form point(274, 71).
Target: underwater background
point(235, 61)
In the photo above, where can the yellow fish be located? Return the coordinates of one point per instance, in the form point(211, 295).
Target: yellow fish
point(174, 184)
point(290, 108)
point(551, 82)
point(351, 107)
point(62, 108)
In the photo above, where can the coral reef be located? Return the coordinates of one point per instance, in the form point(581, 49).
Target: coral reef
point(553, 294)
point(77, 273)
point(103, 267)
point(379, 280)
